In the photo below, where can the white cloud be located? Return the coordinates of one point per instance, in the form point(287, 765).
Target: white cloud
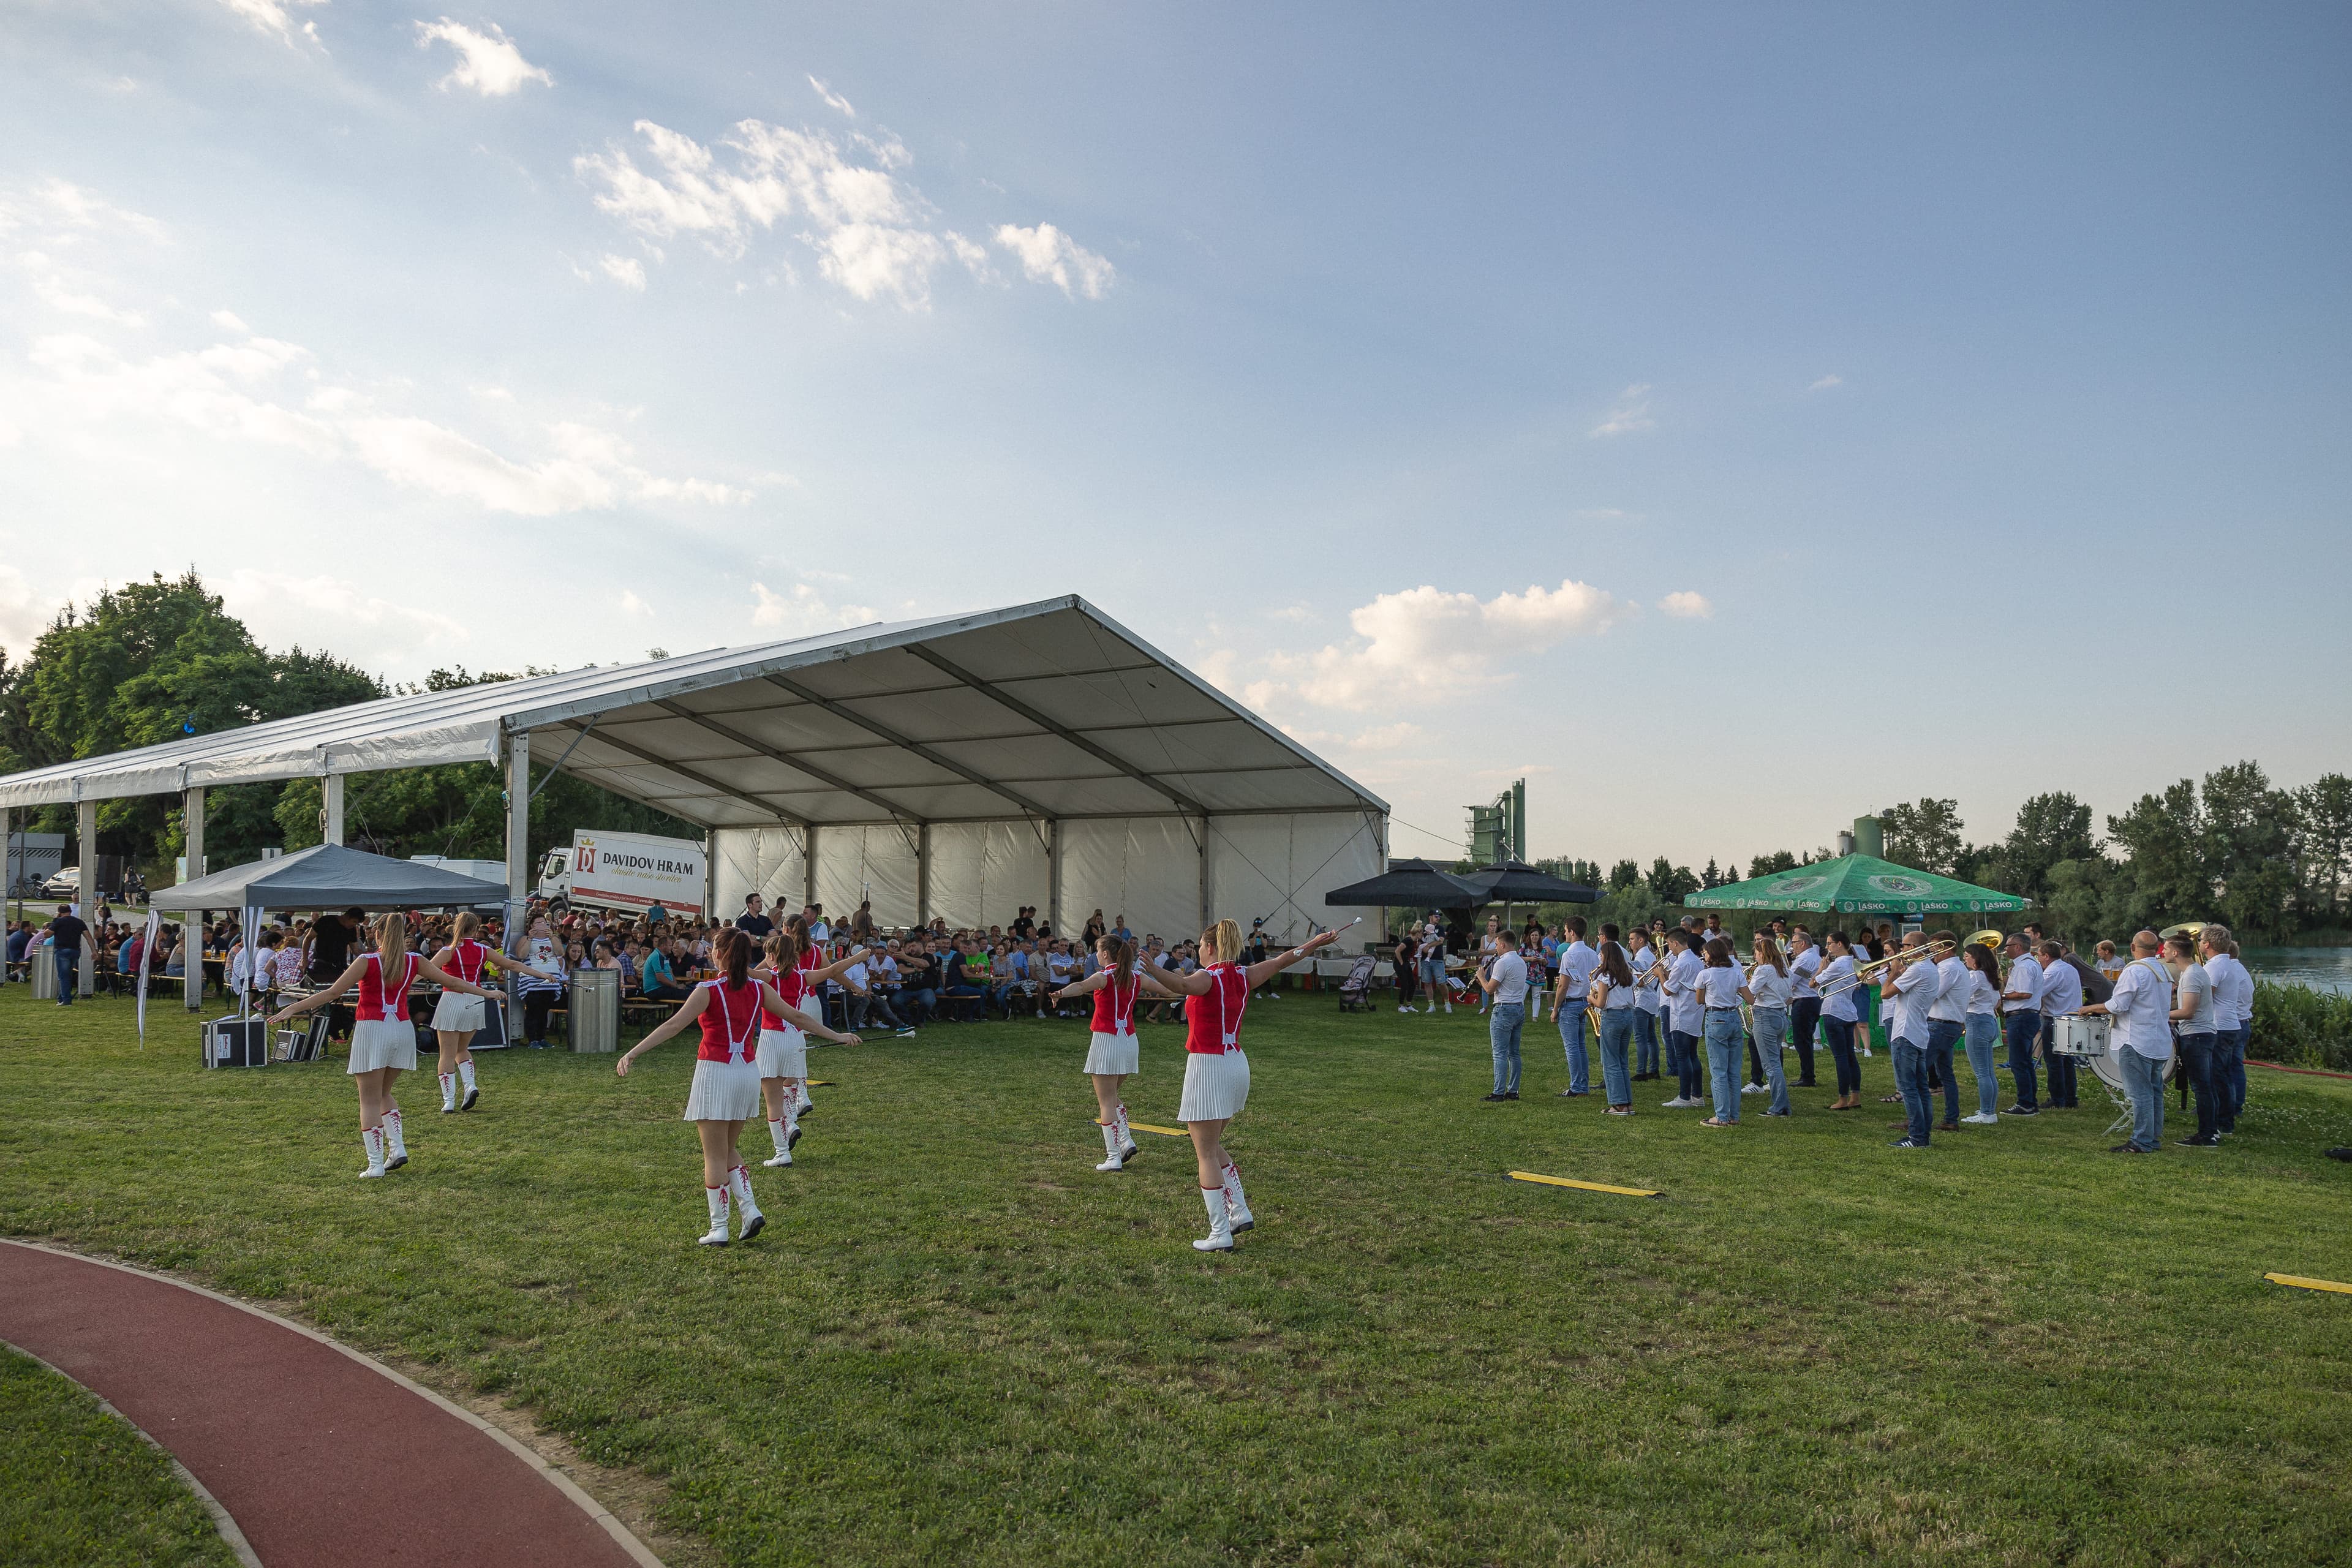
point(274, 17)
point(625, 270)
point(65, 210)
point(833, 98)
point(489, 62)
point(321, 611)
point(228, 321)
point(1427, 643)
point(1687, 605)
point(1826, 383)
point(1631, 412)
point(1049, 255)
point(873, 234)
point(51, 287)
point(630, 604)
point(802, 610)
point(20, 623)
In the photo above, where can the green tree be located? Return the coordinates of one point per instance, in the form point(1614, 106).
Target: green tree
point(1670, 883)
point(2164, 878)
point(2249, 849)
point(2322, 820)
point(1925, 834)
point(1623, 875)
point(2050, 828)
point(1765, 865)
point(2077, 900)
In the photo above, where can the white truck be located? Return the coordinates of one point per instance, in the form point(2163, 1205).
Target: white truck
point(631, 872)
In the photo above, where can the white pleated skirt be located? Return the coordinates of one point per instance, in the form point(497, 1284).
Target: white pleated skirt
point(783, 1053)
point(1215, 1087)
point(383, 1043)
point(1111, 1055)
point(458, 1012)
point(723, 1091)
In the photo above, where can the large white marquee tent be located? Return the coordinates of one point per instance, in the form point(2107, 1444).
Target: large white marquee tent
point(958, 767)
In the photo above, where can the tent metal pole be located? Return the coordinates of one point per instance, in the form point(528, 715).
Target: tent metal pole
point(86, 889)
point(332, 830)
point(808, 866)
point(1204, 871)
point(1054, 874)
point(192, 926)
point(518, 826)
point(923, 874)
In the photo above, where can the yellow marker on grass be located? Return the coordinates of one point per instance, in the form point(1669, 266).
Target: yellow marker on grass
point(1585, 1186)
point(1164, 1131)
point(2302, 1284)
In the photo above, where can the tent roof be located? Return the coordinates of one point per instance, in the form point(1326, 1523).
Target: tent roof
point(1516, 882)
point(1048, 709)
point(329, 877)
point(1415, 884)
point(1856, 884)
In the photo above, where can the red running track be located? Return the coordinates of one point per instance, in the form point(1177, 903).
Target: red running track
point(321, 1457)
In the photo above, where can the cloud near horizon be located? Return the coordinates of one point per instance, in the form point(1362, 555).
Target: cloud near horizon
point(489, 63)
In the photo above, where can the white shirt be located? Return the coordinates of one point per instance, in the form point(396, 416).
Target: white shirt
point(1802, 969)
point(1840, 1006)
point(1577, 963)
point(2142, 1009)
point(1620, 997)
point(1645, 987)
point(1915, 990)
point(1951, 1003)
point(1769, 986)
point(2062, 990)
point(1718, 989)
point(2024, 978)
point(1984, 995)
point(2193, 990)
point(820, 932)
point(1687, 1016)
point(1509, 974)
point(2233, 991)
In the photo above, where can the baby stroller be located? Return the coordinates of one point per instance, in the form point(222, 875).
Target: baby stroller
point(1356, 991)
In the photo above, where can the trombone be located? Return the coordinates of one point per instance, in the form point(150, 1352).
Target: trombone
point(1868, 973)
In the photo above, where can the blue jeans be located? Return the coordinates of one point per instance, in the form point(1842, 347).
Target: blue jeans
point(2024, 1029)
point(1572, 1041)
point(1503, 1036)
point(68, 963)
point(2196, 1056)
point(1771, 1023)
point(1984, 1030)
point(1646, 1042)
point(1838, 1034)
point(1911, 1077)
point(1681, 1060)
point(2062, 1069)
point(2230, 1072)
point(1726, 1053)
point(1942, 1036)
point(1616, 1031)
point(2144, 1081)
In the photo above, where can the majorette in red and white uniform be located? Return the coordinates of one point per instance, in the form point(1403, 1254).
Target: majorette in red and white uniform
point(783, 1049)
point(458, 1012)
point(1216, 1073)
point(726, 1074)
point(383, 1037)
point(1113, 1051)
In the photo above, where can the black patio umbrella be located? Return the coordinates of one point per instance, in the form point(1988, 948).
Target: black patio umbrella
point(1410, 884)
point(1516, 882)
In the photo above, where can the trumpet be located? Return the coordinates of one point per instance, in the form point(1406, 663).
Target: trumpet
point(1868, 973)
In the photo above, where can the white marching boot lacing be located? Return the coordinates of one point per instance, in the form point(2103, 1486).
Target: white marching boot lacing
point(473, 1091)
point(783, 1145)
point(372, 1141)
point(1111, 1160)
point(1235, 1204)
point(1220, 1228)
point(396, 1147)
point(717, 1198)
point(747, 1210)
point(1126, 1149)
point(448, 1092)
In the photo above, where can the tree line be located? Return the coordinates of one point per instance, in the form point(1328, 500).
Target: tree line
point(159, 660)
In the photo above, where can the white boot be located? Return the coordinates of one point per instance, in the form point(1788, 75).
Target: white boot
point(448, 1092)
point(1221, 1229)
point(1235, 1204)
point(373, 1141)
point(1112, 1159)
point(801, 1103)
point(1449, 1004)
point(783, 1145)
point(473, 1090)
point(717, 1198)
point(396, 1147)
point(740, 1178)
point(1127, 1149)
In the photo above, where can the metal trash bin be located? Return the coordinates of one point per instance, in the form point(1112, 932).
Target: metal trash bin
point(44, 965)
point(594, 1007)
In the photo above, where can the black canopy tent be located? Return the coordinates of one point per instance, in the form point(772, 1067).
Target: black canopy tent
point(1516, 882)
point(1412, 884)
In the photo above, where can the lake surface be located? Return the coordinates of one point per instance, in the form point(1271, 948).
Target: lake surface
point(2321, 968)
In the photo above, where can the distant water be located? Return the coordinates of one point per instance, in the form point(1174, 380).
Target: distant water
point(2321, 968)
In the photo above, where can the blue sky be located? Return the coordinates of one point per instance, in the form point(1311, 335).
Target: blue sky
point(1619, 397)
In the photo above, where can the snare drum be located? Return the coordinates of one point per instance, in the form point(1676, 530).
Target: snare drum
point(2078, 1036)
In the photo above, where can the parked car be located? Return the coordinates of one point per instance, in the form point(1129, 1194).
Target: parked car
point(65, 884)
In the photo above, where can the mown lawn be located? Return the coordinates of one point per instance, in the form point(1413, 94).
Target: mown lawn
point(957, 1341)
point(82, 1486)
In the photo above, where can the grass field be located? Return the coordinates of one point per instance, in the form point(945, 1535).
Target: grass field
point(957, 1341)
point(83, 1488)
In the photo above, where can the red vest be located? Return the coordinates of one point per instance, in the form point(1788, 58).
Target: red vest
point(464, 960)
point(1115, 1007)
point(375, 1007)
point(731, 1021)
point(1214, 1022)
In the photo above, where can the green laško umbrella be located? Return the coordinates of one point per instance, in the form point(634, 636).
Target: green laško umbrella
point(1856, 885)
